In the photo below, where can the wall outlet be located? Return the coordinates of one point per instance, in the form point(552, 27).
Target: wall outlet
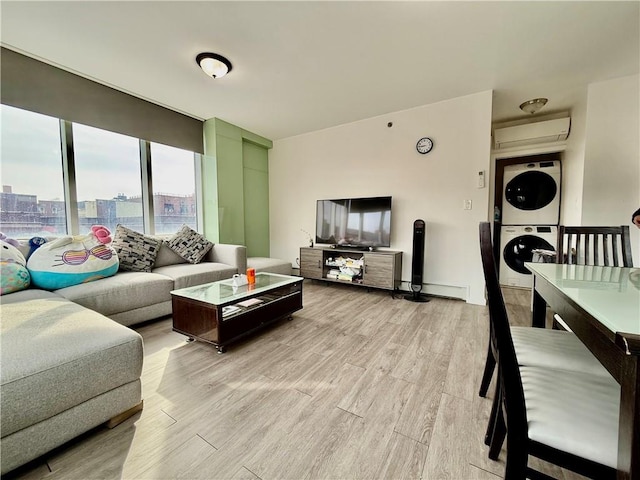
point(468, 204)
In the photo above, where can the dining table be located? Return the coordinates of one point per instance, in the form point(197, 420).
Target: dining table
point(601, 305)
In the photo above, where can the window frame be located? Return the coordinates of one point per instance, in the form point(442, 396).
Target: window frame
point(146, 181)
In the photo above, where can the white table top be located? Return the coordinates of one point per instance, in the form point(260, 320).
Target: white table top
point(610, 294)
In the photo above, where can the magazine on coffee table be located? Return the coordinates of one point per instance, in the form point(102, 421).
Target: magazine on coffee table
point(229, 310)
point(250, 302)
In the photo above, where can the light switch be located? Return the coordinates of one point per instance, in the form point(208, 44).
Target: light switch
point(481, 179)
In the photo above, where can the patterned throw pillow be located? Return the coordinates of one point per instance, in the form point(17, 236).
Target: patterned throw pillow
point(137, 252)
point(189, 244)
point(73, 259)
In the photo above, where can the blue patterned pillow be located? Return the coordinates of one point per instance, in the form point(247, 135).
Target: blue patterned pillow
point(137, 252)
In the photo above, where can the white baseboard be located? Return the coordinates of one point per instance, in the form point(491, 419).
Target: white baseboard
point(448, 291)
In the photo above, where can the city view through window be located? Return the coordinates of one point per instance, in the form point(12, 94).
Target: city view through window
point(108, 179)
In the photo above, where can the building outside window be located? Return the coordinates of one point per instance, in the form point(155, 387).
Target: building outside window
point(32, 201)
point(108, 179)
point(174, 188)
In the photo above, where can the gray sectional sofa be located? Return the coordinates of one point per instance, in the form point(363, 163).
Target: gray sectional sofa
point(68, 361)
point(65, 369)
point(134, 297)
point(271, 265)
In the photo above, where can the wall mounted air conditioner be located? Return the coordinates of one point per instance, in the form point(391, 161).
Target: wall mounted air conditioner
point(532, 133)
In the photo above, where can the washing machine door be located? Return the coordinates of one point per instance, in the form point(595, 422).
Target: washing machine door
point(531, 190)
point(520, 250)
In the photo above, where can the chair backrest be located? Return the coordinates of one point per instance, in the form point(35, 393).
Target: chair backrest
point(513, 403)
point(606, 246)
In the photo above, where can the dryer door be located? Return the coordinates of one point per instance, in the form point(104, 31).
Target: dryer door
point(531, 190)
point(520, 250)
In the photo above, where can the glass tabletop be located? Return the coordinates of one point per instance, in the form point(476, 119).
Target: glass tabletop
point(610, 294)
point(223, 291)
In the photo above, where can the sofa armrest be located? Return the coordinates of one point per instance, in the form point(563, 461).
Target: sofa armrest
point(234, 255)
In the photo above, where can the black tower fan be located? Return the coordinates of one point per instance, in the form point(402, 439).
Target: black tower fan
point(417, 263)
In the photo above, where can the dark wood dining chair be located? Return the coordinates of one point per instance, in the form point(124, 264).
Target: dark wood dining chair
point(566, 418)
point(605, 246)
point(544, 348)
point(558, 349)
point(598, 246)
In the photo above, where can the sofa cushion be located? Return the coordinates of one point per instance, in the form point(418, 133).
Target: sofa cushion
point(188, 275)
point(270, 265)
point(120, 293)
point(56, 354)
point(166, 256)
point(136, 251)
point(234, 255)
point(29, 294)
point(189, 244)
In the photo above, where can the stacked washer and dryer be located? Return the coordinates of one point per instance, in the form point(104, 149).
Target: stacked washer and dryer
point(530, 216)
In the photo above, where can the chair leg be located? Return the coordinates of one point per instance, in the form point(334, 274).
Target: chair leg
point(488, 436)
point(516, 463)
point(516, 469)
point(489, 367)
point(499, 434)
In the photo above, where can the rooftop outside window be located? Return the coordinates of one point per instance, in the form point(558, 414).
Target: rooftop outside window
point(32, 198)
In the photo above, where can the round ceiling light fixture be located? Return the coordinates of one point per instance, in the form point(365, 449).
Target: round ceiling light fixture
point(214, 65)
point(532, 106)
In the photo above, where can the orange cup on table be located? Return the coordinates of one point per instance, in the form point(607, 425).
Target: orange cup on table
point(251, 276)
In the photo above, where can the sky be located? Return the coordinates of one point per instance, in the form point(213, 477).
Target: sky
point(107, 164)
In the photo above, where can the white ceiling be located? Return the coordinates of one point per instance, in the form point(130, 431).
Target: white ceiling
point(305, 66)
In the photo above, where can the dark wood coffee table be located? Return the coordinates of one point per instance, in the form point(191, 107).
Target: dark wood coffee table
point(220, 313)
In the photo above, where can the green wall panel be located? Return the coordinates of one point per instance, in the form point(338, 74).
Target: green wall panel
point(210, 198)
point(230, 190)
point(256, 198)
point(236, 186)
point(210, 183)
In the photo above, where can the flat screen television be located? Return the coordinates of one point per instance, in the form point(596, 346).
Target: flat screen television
point(354, 222)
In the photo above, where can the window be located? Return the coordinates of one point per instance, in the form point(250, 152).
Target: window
point(32, 198)
point(108, 179)
point(174, 191)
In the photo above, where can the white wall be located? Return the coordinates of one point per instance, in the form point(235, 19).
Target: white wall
point(573, 164)
point(611, 191)
point(367, 158)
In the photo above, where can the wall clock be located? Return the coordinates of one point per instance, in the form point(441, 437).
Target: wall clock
point(424, 145)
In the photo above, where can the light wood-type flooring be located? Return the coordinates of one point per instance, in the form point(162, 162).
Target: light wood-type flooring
point(358, 385)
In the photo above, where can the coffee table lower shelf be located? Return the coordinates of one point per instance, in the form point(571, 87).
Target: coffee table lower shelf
point(204, 321)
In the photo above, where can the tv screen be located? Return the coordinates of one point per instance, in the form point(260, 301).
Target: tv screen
point(354, 222)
